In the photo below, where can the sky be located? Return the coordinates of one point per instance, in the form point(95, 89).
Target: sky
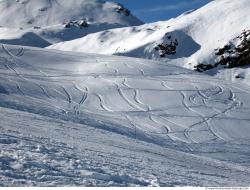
point(156, 10)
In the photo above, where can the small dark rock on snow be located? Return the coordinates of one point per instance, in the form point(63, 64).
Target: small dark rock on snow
point(168, 47)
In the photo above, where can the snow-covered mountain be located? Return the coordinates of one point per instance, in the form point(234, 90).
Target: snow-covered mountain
point(192, 40)
point(56, 21)
point(95, 120)
point(85, 119)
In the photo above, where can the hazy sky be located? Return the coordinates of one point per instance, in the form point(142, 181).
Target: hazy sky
point(155, 10)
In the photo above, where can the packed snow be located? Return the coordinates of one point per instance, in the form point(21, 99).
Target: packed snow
point(95, 120)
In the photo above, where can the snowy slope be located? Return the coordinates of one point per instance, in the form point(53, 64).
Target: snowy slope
point(21, 37)
point(189, 40)
point(48, 18)
point(87, 119)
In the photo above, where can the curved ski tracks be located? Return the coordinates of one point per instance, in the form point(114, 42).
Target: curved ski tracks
point(218, 99)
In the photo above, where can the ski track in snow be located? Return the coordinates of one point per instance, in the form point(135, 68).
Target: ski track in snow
point(109, 123)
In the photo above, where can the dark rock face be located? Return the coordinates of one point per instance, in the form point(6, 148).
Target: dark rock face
point(232, 55)
point(168, 47)
point(176, 44)
point(79, 24)
point(122, 10)
point(204, 67)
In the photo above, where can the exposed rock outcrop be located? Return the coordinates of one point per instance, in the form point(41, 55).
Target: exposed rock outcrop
point(168, 47)
point(234, 54)
point(78, 23)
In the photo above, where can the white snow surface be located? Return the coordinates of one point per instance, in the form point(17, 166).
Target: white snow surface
point(95, 120)
point(198, 33)
point(22, 37)
point(47, 18)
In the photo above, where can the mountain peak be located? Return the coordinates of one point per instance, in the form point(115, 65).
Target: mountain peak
point(42, 13)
